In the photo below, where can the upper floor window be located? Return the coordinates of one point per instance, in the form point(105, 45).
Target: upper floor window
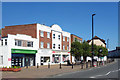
point(19, 43)
point(53, 36)
point(63, 47)
point(2, 42)
point(67, 39)
point(30, 44)
point(42, 44)
point(42, 34)
point(5, 41)
point(48, 35)
point(67, 47)
point(48, 45)
point(54, 46)
point(63, 38)
point(58, 46)
point(59, 37)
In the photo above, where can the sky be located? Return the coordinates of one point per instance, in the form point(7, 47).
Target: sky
point(73, 17)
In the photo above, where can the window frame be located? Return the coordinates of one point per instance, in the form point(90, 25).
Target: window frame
point(53, 46)
point(1, 42)
point(63, 47)
point(47, 34)
point(42, 35)
point(63, 38)
point(67, 39)
point(42, 44)
point(49, 45)
point(53, 36)
point(58, 46)
point(1, 59)
point(59, 37)
point(5, 41)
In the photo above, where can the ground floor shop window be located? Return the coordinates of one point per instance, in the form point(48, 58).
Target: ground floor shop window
point(47, 59)
point(65, 58)
point(56, 58)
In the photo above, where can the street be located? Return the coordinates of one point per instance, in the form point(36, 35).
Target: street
point(107, 71)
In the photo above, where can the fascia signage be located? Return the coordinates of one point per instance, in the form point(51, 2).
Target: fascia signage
point(24, 51)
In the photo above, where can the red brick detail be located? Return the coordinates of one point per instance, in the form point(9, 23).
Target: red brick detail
point(45, 40)
point(28, 29)
point(74, 36)
point(65, 43)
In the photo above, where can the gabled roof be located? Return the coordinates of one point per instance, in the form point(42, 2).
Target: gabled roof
point(96, 37)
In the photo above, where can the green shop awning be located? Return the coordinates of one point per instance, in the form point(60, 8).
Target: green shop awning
point(25, 51)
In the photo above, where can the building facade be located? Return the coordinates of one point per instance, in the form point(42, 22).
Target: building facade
point(34, 44)
point(98, 41)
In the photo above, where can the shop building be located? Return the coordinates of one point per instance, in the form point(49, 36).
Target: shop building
point(34, 44)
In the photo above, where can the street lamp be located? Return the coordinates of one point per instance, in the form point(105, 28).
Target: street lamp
point(92, 41)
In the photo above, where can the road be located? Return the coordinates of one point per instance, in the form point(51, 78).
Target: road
point(108, 71)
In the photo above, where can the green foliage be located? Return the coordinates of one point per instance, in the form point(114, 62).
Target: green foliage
point(0, 31)
point(84, 49)
point(15, 67)
point(9, 67)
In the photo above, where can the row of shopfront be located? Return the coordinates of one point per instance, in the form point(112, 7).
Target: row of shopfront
point(22, 57)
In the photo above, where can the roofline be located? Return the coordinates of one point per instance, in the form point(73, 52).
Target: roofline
point(76, 35)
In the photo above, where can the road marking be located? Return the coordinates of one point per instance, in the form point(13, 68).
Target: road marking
point(105, 74)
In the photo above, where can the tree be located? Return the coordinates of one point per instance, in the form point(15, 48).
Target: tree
point(86, 49)
point(0, 31)
point(76, 49)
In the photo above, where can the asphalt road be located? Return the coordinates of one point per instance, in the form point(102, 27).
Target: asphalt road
point(107, 71)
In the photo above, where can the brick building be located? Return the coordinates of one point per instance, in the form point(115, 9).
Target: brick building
point(34, 44)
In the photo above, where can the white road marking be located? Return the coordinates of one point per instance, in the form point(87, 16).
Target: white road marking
point(105, 74)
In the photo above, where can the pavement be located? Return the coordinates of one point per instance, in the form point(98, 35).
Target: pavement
point(65, 72)
point(108, 71)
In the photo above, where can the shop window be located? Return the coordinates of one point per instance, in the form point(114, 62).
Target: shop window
point(59, 37)
point(54, 46)
point(46, 59)
point(67, 39)
point(48, 45)
point(63, 38)
point(53, 36)
point(5, 41)
point(1, 59)
point(48, 35)
point(67, 47)
point(63, 47)
point(42, 34)
point(42, 44)
point(58, 46)
point(30, 44)
point(2, 42)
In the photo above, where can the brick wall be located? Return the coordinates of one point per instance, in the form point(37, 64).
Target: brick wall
point(74, 36)
point(65, 43)
point(45, 40)
point(28, 29)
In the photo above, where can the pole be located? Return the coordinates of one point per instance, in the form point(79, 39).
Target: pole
point(92, 42)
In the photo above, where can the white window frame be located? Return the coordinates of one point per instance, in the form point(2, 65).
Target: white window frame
point(53, 36)
point(59, 37)
point(63, 47)
point(29, 43)
point(5, 41)
point(67, 47)
point(48, 34)
point(67, 39)
point(42, 44)
point(63, 38)
point(58, 46)
point(53, 46)
point(1, 42)
point(42, 33)
point(48, 45)
point(18, 42)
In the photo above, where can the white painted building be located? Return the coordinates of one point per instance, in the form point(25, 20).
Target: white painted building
point(47, 45)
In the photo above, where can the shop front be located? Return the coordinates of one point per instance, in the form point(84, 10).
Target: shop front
point(22, 57)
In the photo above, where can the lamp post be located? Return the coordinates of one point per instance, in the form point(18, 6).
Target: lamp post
point(92, 41)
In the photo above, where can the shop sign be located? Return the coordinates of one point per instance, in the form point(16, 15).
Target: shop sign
point(24, 51)
point(9, 59)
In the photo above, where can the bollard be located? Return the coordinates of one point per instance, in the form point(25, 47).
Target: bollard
point(60, 66)
point(37, 65)
point(48, 65)
point(82, 66)
point(72, 65)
